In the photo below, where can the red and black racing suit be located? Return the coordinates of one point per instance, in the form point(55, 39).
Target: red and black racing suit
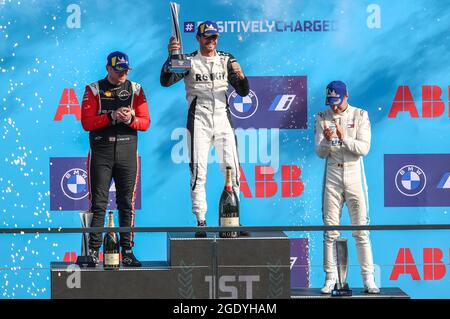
point(113, 151)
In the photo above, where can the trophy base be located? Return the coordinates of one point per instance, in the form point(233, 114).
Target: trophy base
point(179, 64)
point(344, 291)
point(85, 261)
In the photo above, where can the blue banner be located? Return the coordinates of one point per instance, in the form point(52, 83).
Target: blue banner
point(416, 180)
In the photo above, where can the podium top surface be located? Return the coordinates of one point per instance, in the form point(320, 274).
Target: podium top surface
point(146, 265)
point(215, 235)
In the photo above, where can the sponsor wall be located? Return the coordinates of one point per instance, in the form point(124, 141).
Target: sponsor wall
point(393, 55)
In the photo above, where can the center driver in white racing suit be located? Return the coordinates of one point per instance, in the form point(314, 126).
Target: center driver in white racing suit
point(209, 119)
point(342, 137)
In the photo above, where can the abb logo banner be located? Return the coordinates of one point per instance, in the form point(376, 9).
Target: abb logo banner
point(433, 267)
point(267, 186)
point(68, 104)
point(432, 104)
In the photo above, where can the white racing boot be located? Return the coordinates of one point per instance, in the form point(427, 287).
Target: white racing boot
point(328, 287)
point(369, 285)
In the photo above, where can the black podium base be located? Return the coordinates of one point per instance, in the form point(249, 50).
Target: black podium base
point(357, 293)
point(86, 283)
point(254, 267)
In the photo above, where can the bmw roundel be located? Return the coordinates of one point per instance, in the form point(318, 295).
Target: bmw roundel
point(243, 107)
point(74, 184)
point(410, 180)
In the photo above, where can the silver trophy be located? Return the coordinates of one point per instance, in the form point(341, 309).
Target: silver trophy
point(341, 288)
point(85, 260)
point(178, 62)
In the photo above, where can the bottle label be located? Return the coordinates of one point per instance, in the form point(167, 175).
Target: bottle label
point(335, 141)
point(229, 221)
point(111, 259)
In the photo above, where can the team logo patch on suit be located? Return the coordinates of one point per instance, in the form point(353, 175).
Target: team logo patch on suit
point(273, 102)
point(416, 180)
point(124, 95)
point(69, 188)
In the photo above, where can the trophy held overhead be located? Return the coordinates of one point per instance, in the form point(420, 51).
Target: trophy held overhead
point(178, 62)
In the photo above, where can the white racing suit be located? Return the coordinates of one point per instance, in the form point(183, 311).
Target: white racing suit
point(345, 181)
point(209, 119)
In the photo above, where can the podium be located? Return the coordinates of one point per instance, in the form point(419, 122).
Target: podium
point(358, 293)
point(254, 267)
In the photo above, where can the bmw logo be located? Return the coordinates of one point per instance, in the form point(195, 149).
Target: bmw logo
point(74, 183)
point(243, 107)
point(410, 180)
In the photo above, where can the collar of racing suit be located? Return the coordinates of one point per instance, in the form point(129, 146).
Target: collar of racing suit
point(344, 113)
point(208, 59)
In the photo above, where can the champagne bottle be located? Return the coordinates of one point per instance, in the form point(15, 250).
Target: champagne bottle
point(228, 207)
point(111, 247)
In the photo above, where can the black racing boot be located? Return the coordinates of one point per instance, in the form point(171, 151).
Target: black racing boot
point(244, 233)
point(95, 254)
point(201, 233)
point(129, 259)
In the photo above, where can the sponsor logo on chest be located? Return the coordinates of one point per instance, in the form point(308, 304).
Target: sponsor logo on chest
point(210, 77)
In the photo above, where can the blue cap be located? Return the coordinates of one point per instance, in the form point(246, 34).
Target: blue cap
point(336, 91)
point(207, 28)
point(118, 61)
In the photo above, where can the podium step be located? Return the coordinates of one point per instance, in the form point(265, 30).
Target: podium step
point(260, 248)
point(251, 267)
point(257, 266)
point(358, 293)
point(68, 282)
